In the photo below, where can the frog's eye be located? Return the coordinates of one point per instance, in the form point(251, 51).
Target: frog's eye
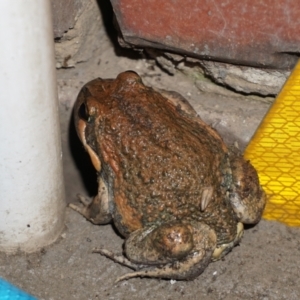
point(86, 114)
point(82, 112)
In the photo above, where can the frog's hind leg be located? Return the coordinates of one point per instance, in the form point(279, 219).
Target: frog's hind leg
point(173, 250)
point(246, 196)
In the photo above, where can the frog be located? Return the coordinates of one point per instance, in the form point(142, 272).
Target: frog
point(166, 180)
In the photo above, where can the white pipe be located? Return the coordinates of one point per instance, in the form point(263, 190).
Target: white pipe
point(31, 182)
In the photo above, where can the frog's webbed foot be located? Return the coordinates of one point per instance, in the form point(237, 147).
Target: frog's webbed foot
point(173, 250)
point(97, 210)
point(247, 196)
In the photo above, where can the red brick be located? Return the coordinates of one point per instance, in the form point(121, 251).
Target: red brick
point(250, 32)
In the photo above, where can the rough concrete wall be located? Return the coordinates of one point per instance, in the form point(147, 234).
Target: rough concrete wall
point(242, 79)
point(64, 14)
point(78, 28)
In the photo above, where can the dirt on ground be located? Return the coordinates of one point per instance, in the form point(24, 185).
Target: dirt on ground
point(264, 266)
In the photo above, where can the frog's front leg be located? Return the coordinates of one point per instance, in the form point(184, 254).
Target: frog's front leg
point(174, 250)
point(246, 196)
point(223, 249)
point(97, 211)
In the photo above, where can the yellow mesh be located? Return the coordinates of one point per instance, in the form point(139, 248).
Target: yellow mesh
point(275, 153)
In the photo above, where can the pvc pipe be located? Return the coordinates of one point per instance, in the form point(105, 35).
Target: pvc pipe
point(31, 180)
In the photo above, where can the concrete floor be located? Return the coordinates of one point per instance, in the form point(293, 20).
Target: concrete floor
point(265, 265)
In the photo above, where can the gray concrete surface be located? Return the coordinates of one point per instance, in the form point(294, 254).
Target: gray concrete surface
point(265, 266)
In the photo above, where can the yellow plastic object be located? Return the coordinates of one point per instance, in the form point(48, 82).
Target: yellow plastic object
point(275, 153)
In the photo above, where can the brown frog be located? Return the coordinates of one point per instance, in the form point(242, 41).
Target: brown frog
point(166, 179)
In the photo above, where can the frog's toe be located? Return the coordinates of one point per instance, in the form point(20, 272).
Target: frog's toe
point(78, 207)
point(128, 276)
point(84, 200)
point(81, 208)
point(120, 259)
point(154, 273)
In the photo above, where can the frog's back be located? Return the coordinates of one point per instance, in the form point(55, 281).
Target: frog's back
point(163, 160)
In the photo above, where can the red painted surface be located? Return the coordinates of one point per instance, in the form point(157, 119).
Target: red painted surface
point(251, 32)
